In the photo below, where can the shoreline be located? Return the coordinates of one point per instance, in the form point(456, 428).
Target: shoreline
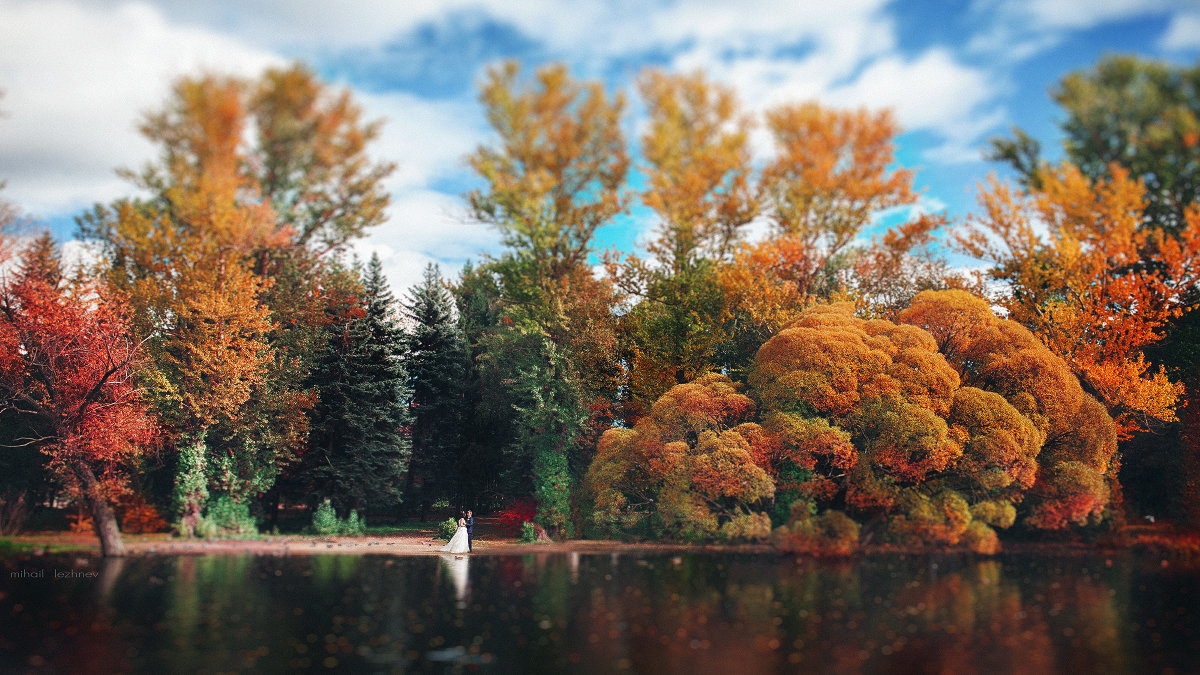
point(1166, 541)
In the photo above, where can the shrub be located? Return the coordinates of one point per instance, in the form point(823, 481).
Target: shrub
point(747, 527)
point(228, 518)
point(980, 538)
point(354, 524)
point(140, 516)
point(327, 524)
point(81, 522)
point(529, 532)
point(997, 513)
point(938, 520)
point(447, 528)
point(832, 533)
point(325, 521)
point(513, 518)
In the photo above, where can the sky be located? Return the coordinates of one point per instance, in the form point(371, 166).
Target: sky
point(78, 74)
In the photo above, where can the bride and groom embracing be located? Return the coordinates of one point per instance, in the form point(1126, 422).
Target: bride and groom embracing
point(461, 541)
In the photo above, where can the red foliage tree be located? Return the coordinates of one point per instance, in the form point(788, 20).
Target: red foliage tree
point(66, 360)
point(518, 513)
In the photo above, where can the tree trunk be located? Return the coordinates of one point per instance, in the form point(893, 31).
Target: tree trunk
point(408, 495)
point(270, 503)
point(103, 518)
point(1190, 417)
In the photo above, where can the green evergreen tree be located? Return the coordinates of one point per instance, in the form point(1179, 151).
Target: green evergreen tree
point(360, 438)
point(530, 394)
point(436, 360)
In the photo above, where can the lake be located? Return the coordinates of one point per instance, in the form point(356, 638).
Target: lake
point(599, 613)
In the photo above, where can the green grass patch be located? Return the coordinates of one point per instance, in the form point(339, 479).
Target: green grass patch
point(10, 547)
point(414, 527)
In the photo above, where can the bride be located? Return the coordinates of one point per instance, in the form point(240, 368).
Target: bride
point(458, 543)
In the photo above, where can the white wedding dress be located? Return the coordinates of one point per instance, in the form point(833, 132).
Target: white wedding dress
point(457, 543)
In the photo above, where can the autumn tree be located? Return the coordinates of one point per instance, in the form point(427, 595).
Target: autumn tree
point(553, 178)
point(1096, 285)
point(1140, 114)
point(936, 429)
point(182, 259)
point(699, 186)
point(832, 174)
point(684, 470)
point(1143, 116)
point(1077, 461)
point(68, 361)
point(226, 255)
point(310, 159)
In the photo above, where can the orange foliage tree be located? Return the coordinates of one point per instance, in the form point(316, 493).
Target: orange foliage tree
point(1078, 439)
point(182, 259)
point(1092, 280)
point(832, 174)
point(685, 469)
point(67, 360)
point(555, 177)
point(938, 428)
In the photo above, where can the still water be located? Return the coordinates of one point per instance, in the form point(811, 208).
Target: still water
point(668, 613)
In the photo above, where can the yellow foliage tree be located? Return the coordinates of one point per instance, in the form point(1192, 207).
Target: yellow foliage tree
point(698, 183)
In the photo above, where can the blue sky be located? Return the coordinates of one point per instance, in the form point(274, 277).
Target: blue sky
point(78, 73)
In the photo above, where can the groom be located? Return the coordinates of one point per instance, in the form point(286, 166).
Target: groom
point(470, 529)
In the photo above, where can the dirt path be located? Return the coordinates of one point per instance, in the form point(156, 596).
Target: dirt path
point(489, 542)
point(417, 543)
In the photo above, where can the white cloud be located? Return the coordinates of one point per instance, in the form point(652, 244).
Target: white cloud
point(428, 140)
point(597, 28)
point(1016, 30)
point(927, 92)
point(435, 223)
point(1183, 32)
point(1081, 14)
point(930, 92)
point(76, 79)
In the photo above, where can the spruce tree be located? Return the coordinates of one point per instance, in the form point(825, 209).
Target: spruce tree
point(360, 442)
point(436, 361)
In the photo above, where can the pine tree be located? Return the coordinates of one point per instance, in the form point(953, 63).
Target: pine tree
point(41, 261)
point(436, 362)
point(360, 438)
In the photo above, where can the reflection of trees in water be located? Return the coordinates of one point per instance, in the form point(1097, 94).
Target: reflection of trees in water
point(948, 616)
point(674, 613)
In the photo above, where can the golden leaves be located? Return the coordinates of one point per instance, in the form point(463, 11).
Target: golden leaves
point(698, 167)
point(832, 172)
point(1091, 279)
point(559, 168)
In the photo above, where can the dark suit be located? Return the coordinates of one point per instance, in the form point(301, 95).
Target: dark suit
point(470, 531)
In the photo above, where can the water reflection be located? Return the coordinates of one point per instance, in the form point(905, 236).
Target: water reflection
point(601, 613)
point(457, 567)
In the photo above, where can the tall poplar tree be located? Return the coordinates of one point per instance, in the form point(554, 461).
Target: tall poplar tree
point(553, 178)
